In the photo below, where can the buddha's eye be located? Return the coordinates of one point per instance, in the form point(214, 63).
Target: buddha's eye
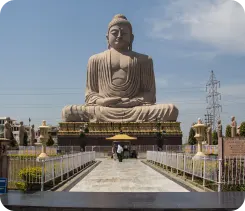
point(114, 32)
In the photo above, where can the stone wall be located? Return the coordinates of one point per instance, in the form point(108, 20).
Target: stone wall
point(93, 140)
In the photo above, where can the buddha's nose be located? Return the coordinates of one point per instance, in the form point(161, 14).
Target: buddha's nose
point(119, 34)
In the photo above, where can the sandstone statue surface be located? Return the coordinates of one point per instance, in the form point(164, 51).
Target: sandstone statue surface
point(120, 84)
point(8, 133)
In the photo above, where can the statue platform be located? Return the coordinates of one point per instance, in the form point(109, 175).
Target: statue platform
point(146, 133)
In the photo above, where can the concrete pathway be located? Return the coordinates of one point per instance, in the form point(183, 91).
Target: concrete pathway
point(131, 175)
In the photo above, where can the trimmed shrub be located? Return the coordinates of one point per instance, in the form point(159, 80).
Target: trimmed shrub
point(50, 141)
point(192, 140)
point(228, 131)
point(242, 129)
point(28, 156)
point(215, 137)
point(32, 174)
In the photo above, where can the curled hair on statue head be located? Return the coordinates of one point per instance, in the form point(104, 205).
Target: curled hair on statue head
point(121, 19)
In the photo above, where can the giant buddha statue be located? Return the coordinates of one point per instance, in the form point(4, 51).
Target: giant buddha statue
point(120, 84)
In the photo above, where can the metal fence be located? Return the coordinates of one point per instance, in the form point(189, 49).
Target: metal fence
point(219, 172)
point(190, 149)
point(105, 151)
point(40, 173)
point(50, 150)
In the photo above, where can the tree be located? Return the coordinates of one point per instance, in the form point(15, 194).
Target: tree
point(50, 141)
point(215, 137)
point(228, 131)
point(242, 129)
point(192, 140)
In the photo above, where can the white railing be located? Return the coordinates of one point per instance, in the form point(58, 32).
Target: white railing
point(47, 170)
point(105, 151)
point(207, 168)
point(190, 149)
point(51, 150)
point(231, 170)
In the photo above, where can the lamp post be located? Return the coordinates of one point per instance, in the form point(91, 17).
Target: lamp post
point(43, 139)
point(199, 130)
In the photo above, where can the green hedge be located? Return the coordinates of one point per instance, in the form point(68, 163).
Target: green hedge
point(26, 156)
point(242, 129)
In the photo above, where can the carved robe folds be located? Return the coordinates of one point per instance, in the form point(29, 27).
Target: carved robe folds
point(140, 86)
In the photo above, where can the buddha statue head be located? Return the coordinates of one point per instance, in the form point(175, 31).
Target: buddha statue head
point(120, 34)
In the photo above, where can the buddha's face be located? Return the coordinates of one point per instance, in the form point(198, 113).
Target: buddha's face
point(120, 37)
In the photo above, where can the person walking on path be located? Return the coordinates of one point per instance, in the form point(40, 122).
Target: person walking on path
point(119, 152)
point(114, 152)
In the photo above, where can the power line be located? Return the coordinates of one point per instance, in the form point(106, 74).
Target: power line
point(214, 108)
point(82, 88)
point(81, 93)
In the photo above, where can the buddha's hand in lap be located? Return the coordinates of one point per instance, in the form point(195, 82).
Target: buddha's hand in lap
point(108, 101)
point(127, 104)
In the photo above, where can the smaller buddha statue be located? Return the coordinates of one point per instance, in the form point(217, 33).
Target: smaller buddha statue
point(8, 133)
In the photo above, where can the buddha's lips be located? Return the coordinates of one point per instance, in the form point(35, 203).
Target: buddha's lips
point(118, 78)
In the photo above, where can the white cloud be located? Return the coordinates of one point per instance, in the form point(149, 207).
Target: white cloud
point(219, 23)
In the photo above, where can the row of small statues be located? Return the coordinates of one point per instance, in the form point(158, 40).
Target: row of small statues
point(220, 129)
point(8, 132)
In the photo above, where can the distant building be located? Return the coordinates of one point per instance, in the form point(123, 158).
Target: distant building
point(3, 119)
point(15, 128)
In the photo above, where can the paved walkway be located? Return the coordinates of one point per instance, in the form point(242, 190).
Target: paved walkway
point(131, 175)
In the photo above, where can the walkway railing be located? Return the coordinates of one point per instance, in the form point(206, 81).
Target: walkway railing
point(191, 149)
point(105, 151)
point(51, 150)
point(211, 171)
point(29, 171)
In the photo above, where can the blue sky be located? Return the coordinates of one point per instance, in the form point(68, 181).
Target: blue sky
point(45, 46)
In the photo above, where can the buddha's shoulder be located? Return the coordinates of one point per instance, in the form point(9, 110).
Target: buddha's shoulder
point(97, 56)
point(142, 57)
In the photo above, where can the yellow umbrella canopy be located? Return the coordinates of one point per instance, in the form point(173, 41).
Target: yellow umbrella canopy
point(121, 137)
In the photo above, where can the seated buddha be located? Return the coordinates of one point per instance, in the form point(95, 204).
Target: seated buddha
point(120, 84)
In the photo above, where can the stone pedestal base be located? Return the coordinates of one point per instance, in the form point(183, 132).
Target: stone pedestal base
point(146, 133)
point(97, 140)
point(42, 156)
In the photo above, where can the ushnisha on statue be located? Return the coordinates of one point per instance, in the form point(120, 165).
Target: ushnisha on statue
point(120, 83)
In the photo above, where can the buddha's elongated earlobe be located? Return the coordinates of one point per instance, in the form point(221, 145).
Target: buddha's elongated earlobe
point(108, 45)
point(131, 43)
